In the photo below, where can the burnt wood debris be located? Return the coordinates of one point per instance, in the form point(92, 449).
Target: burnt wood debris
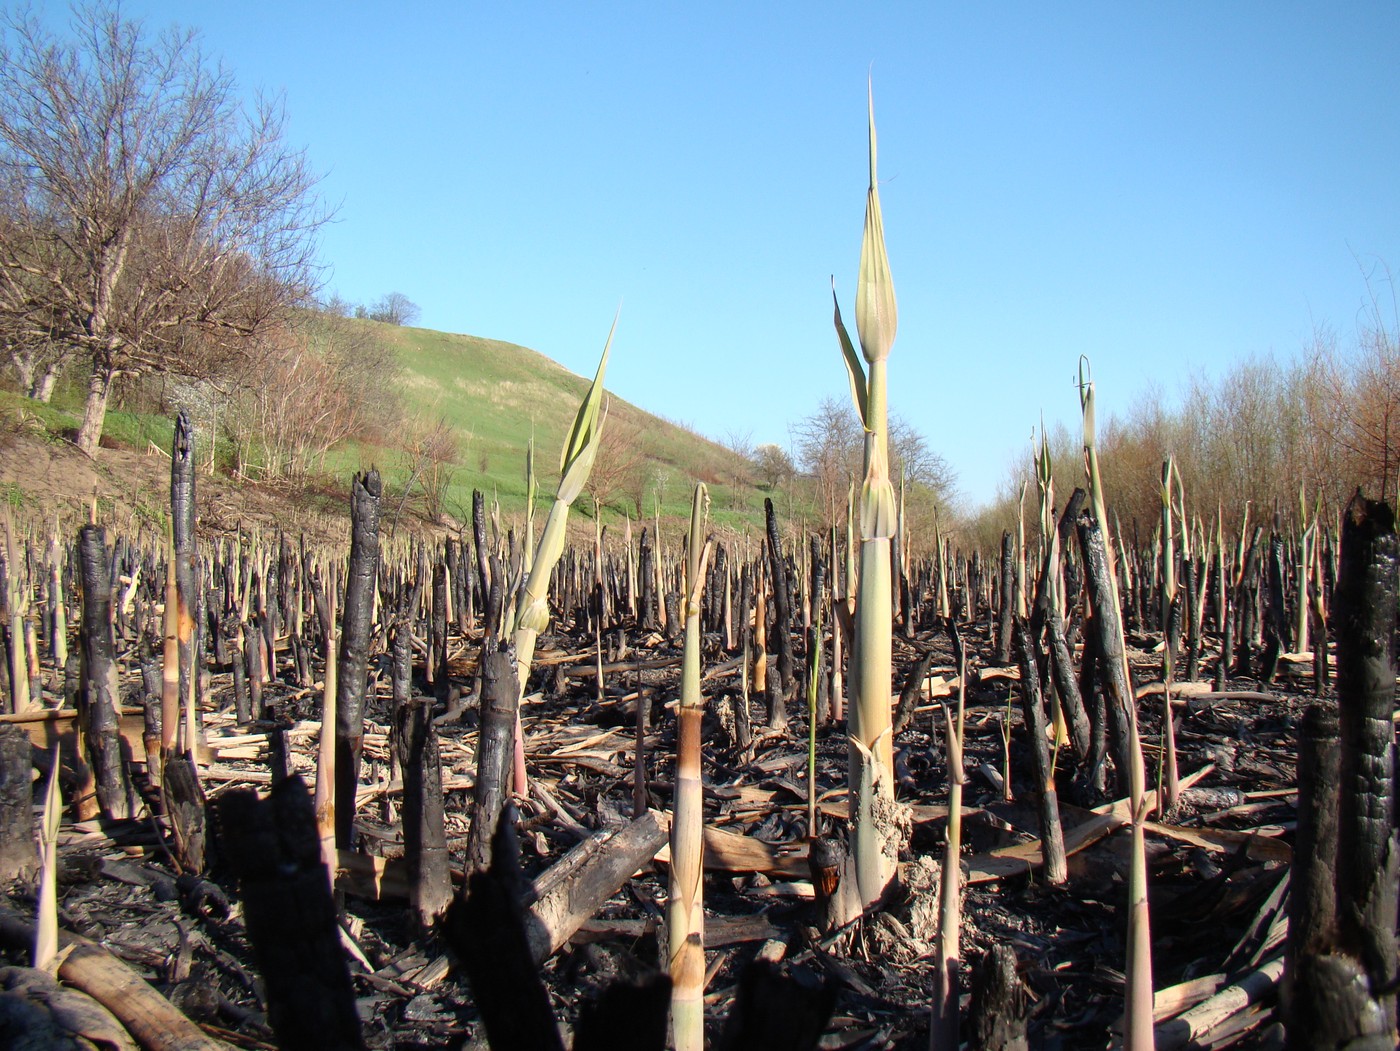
point(172, 679)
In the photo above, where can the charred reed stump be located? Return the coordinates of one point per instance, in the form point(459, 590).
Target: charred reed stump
point(1052, 840)
point(1312, 903)
point(100, 710)
point(18, 859)
point(1007, 607)
point(353, 670)
point(483, 551)
point(1110, 665)
point(816, 649)
point(1047, 621)
point(1000, 1004)
point(424, 833)
point(275, 853)
point(1368, 870)
point(912, 691)
point(1193, 620)
point(646, 583)
point(439, 632)
point(182, 519)
point(1278, 608)
point(500, 701)
point(782, 620)
point(183, 799)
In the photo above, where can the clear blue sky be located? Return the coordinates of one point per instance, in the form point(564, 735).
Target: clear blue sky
point(1164, 187)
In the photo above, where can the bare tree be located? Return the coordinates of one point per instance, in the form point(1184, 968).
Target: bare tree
point(395, 309)
point(775, 466)
point(321, 380)
point(830, 447)
point(151, 217)
point(621, 464)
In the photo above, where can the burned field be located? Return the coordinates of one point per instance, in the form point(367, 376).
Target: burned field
point(478, 896)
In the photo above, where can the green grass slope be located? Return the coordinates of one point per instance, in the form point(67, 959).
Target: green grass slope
point(496, 395)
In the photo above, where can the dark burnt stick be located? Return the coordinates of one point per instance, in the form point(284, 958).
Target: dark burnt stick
point(1364, 625)
point(912, 691)
point(1322, 674)
point(493, 606)
point(1193, 621)
point(353, 670)
point(1047, 621)
point(439, 633)
point(782, 612)
point(242, 705)
point(102, 698)
point(486, 928)
point(483, 552)
point(1008, 598)
point(500, 700)
point(1052, 841)
point(1117, 692)
point(401, 666)
point(182, 518)
point(1247, 607)
point(424, 834)
point(1071, 700)
point(1277, 607)
point(183, 800)
point(290, 915)
point(816, 647)
point(248, 654)
point(454, 578)
point(1312, 902)
point(18, 859)
point(1225, 616)
point(999, 1006)
point(646, 583)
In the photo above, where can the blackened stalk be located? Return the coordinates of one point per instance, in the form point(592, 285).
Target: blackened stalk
point(353, 669)
point(1052, 842)
point(424, 834)
point(1117, 691)
point(102, 708)
point(782, 616)
point(1312, 902)
point(182, 514)
point(1364, 625)
point(500, 702)
point(1008, 598)
point(483, 553)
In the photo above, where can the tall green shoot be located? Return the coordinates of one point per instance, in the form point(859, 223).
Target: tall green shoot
point(871, 771)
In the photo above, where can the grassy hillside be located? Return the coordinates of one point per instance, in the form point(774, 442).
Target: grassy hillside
point(496, 395)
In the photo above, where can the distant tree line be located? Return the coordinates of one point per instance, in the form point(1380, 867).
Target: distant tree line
point(394, 308)
point(1265, 433)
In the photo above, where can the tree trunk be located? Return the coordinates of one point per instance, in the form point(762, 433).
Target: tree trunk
point(95, 408)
